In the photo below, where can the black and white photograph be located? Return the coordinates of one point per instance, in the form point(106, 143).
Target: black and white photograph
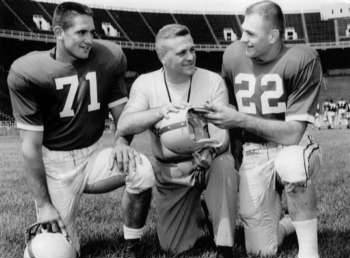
point(174, 128)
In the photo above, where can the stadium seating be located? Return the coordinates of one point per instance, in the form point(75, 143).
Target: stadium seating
point(20, 15)
point(295, 21)
point(133, 29)
point(344, 28)
point(318, 30)
point(158, 20)
point(199, 28)
point(100, 17)
point(220, 22)
point(133, 25)
point(136, 26)
point(8, 19)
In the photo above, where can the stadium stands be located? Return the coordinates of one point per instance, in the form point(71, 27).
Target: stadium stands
point(199, 28)
point(220, 22)
point(318, 30)
point(295, 21)
point(344, 28)
point(134, 25)
point(158, 20)
point(137, 29)
point(13, 21)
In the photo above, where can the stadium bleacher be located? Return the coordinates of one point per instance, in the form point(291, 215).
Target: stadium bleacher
point(344, 28)
point(138, 28)
point(135, 29)
point(133, 24)
point(158, 20)
point(221, 22)
point(318, 30)
point(199, 28)
point(295, 21)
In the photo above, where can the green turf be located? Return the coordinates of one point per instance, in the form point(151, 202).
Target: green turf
point(99, 219)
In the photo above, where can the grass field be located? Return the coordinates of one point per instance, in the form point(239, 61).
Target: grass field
point(100, 222)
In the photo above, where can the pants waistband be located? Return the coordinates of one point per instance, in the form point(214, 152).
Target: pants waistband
point(251, 147)
point(60, 155)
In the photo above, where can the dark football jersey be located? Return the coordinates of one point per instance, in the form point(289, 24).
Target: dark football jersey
point(341, 104)
point(285, 88)
point(332, 107)
point(68, 102)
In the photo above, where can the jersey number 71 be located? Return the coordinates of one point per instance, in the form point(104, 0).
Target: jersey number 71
point(73, 82)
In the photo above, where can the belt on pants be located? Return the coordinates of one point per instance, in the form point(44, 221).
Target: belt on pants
point(252, 147)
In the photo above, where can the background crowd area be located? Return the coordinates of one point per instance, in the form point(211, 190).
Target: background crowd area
point(333, 114)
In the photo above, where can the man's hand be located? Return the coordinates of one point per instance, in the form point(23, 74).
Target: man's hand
point(223, 116)
point(48, 221)
point(203, 158)
point(124, 157)
point(201, 163)
point(168, 108)
point(52, 226)
point(199, 177)
point(47, 212)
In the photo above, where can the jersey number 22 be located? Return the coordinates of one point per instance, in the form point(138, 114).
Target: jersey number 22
point(266, 96)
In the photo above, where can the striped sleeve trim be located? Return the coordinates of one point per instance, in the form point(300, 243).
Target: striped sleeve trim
point(36, 128)
point(118, 102)
point(301, 117)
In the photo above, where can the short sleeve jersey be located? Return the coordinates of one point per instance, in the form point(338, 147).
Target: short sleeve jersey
point(68, 102)
point(149, 91)
point(285, 88)
point(332, 107)
point(341, 104)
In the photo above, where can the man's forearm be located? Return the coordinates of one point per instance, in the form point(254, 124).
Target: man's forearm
point(281, 132)
point(132, 123)
point(36, 177)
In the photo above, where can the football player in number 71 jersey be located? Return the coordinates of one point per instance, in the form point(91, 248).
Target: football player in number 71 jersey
point(60, 99)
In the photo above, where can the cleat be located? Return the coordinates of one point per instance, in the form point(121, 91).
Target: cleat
point(133, 249)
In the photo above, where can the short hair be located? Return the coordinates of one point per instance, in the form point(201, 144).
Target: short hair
point(66, 10)
point(270, 11)
point(167, 32)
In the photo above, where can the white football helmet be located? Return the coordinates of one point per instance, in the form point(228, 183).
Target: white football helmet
point(184, 132)
point(49, 245)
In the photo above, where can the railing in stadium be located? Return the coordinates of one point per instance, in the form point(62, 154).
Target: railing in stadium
point(24, 35)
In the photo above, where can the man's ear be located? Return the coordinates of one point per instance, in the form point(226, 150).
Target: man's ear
point(163, 59)
point(274, 36)
point(161, 54)
point(58, 32)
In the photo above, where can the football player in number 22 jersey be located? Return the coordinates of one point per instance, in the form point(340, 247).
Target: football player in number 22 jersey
point(275, 96)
